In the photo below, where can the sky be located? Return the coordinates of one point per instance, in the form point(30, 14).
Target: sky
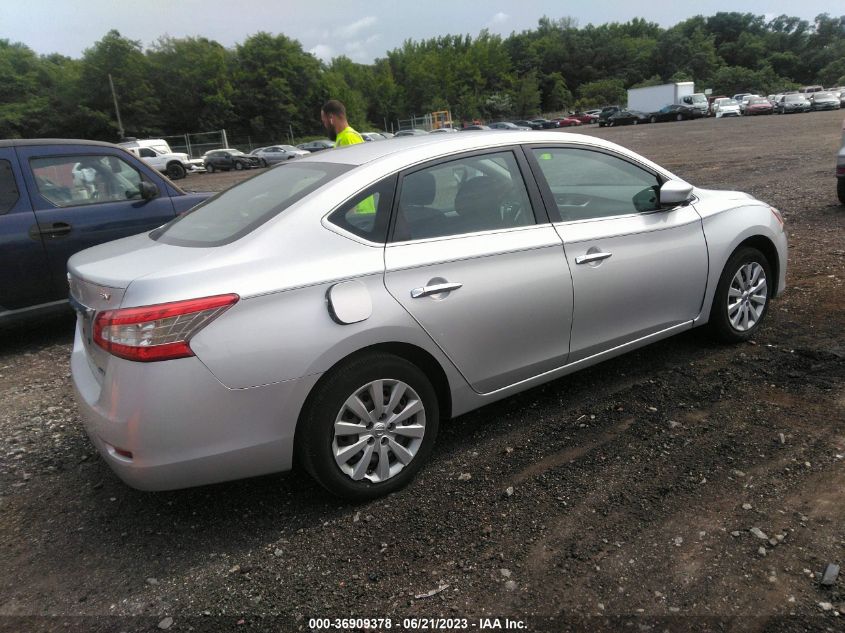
point(362, 31)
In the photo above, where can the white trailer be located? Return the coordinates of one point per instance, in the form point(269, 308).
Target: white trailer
point(652, 98)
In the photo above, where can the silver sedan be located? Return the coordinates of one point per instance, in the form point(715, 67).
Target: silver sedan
point(335, 309)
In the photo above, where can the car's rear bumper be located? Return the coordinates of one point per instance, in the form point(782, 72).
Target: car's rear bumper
point(181, 425)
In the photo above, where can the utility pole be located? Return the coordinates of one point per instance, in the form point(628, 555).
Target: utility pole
point(116, 109)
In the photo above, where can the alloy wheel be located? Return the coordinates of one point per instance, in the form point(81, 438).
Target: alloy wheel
point(747, 296)
point(378, 430)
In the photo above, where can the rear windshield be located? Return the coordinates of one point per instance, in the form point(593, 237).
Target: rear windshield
point(238, 211)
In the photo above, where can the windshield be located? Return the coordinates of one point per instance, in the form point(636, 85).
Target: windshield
point(795, 99)
point(288, 148)
point(238, 211)
point(697, 98)
point(822, 96)
point(757, 101)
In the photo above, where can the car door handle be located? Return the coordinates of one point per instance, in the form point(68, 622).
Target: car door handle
point(434, 289)
point(591, 257)
point(56, 229)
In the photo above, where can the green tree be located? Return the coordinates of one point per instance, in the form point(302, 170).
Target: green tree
point(125, 61)
point(191, 78)
point(602, 92)
point(276, 84)
point(527, 98)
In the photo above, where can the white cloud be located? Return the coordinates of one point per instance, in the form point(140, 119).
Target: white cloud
point(499, 18)
point(351, 30)
point(323, 51)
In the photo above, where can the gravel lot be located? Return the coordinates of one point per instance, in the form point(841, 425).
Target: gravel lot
point(635, 484)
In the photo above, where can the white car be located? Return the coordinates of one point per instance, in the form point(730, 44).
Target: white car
point(726, 107)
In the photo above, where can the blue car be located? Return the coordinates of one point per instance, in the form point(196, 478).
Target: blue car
point(60, 196)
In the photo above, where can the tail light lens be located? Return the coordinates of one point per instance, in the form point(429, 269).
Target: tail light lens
point(840, 171)
point(157, 332)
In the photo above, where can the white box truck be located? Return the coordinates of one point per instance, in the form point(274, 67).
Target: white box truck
point(652, 98)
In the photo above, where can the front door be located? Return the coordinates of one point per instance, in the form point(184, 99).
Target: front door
point(637, 269)
point(86, 197)
point(483, 275)
point(24, 276)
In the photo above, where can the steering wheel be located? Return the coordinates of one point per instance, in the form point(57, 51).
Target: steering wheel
point(511, 208)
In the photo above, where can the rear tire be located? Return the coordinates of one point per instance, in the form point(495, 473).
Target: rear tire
point(840, 189)
point(742, 297)
point(320, 445)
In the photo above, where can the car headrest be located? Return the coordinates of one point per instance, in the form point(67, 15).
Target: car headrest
point(419, 189)
point(479, 196)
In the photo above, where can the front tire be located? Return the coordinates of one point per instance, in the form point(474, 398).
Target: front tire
point(209, 168)
point(742, 296)
point(369, 427)
point(238, 166)
point(654, 119)
point(680, 117)
point(175, 171)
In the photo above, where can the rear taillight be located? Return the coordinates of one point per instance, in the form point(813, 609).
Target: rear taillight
point(840, 171)
point(157, 332)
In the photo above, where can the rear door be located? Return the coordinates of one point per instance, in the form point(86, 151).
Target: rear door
point(637, 269)
point(87, 195)
point(24, 275)
point(475, 262)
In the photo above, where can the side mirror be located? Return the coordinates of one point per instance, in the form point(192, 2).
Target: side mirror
point(674, 193)
point(147, 190)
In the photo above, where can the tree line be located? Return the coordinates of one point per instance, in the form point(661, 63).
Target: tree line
point(268, 85)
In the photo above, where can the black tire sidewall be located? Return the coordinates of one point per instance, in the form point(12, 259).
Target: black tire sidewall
point(209, 168)
point(238, 165)
point(719, 321)
point(316, 426)
point(840, 189)
point(175, 171)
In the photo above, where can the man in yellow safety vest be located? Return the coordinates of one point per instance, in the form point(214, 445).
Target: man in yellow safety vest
point(333, 115)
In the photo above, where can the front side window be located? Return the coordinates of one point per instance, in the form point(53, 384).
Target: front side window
point(8, 187)
point(146, 152)
point(477, 193)
point(242, 208)
point(586, 184)
point(69, 181)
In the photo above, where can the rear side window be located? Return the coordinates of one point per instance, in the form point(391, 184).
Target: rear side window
point(467, 195)
point(366, 214)
point(8, 187)
point(240, 210)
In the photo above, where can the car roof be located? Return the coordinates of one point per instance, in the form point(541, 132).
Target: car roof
point(411, 149)
point(23, 142)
